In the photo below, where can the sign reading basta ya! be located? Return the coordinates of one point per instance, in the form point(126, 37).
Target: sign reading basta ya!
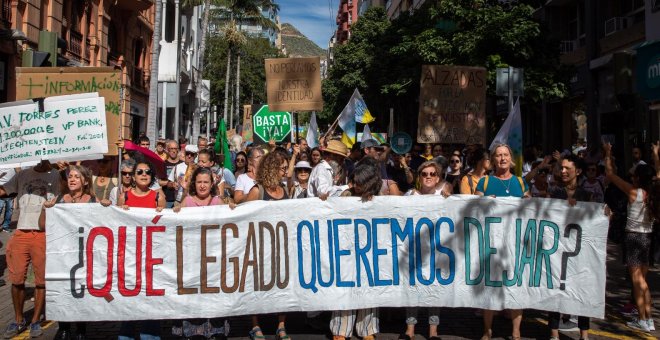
point(271, 125)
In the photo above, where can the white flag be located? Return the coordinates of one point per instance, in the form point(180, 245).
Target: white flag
point(366, 133)
point(313, 132)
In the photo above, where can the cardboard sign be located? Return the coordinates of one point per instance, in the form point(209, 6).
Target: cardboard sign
point(452, 105)
point(246, 132)
point(106, 263)
point(294, 84)
point(41, 82)
point(69, 128)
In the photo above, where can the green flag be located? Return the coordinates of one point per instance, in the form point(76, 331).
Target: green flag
point(222, 145)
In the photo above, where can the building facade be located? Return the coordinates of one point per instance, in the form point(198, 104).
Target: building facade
point(599, 41)
point(347, 15)
point(115, 33)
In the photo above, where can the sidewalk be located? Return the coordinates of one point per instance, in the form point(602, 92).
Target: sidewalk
point(456, 323)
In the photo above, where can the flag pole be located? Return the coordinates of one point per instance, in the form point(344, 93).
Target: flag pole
point(332, 127)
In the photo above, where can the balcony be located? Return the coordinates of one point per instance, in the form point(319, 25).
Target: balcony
point(5, 13)
point(134, 5)
point(75, 45)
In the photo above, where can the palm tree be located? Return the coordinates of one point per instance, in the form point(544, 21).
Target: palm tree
point(153, 80)
point(241, 11)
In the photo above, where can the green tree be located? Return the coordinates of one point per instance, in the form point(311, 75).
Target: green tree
point(383, 59)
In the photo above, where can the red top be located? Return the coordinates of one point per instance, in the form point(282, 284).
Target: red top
point(147, 201)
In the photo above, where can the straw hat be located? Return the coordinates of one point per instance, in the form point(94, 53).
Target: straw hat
point(336, 147)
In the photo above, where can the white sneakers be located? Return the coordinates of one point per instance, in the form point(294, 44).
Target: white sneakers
point(642, 325)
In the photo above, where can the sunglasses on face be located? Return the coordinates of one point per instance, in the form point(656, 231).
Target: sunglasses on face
point(453, 161)
point(143, 171)
point(429, 174)
point(241, 160)
point(304, 170)
point(126, 173)
point(188, 153)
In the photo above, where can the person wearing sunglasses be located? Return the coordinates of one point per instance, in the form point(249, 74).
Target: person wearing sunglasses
point(140, 195)
point(298, 186)
point(454, 171)
point(126, 180)
point(240, 164)
point(430, 181)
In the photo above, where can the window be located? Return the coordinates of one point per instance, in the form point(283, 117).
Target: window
point(655, 6)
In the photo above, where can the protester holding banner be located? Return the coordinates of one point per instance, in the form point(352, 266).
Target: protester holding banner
point(364, 182)
point(78, 189)
point(298, 187)
point(140, 195)
point(479, 161)
point(269, 187)
point(638, 234)
point(571, 169)
point(169, 187)
point(502, 184)
point(27, 245)
point(6, 201)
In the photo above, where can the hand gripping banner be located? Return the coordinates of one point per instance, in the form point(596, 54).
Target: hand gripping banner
point(306, 255)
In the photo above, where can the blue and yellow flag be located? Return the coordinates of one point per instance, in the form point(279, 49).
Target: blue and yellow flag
point(355, 111)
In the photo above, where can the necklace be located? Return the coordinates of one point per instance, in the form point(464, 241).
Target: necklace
point(76, 199)
point(508, 183)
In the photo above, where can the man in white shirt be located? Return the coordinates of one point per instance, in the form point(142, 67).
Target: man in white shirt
point(33, 186)
point(321, 180)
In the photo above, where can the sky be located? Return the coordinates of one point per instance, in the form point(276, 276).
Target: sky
point(313, 18)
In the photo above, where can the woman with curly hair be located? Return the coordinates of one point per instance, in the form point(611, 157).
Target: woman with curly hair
point(364, 182)
point(271, 170)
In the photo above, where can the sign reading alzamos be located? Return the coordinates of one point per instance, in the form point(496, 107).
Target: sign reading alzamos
point(269, 125)
point(648, 71)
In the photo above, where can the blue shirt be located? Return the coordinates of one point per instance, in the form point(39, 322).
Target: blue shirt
point(498, 188)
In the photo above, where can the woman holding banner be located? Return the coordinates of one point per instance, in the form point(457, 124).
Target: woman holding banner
point(429, 174)
point(140, 195)
point(272, 168)
point(638, 234)
point(571, 168)
point(365, 182)
point(76, 188)
point(502, 184)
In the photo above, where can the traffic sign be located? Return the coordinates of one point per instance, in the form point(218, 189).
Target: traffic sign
point(268, 125)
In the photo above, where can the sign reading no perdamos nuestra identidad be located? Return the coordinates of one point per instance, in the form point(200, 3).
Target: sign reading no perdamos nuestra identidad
point(106, 263)
point(269, 125)
point(69, 128)
point(452, 105)
point(294, 84)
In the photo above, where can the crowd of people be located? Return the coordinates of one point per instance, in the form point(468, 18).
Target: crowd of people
point(194, 176)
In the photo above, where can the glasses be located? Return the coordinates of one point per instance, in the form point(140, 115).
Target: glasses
point(240, 160)
point(143, 171)
point(284, 168)
point(304, 170)
point(188, 153)
point(126, 173)
point(454, 161)
point(429, 174)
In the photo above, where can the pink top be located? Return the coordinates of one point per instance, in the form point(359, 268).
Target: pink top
point(188, 202)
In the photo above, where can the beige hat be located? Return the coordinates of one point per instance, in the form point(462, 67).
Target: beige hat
point(337, 147)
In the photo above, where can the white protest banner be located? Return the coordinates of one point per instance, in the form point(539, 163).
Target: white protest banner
point(69, 128)
point(305, 255)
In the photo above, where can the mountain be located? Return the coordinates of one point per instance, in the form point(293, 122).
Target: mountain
point(298, 45)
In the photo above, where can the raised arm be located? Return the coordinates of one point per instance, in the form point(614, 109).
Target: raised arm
point(620, 183)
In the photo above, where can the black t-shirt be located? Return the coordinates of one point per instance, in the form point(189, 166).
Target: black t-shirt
point(170, 194)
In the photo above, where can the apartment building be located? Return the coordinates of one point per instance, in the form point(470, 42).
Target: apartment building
point(91, 33)
point(599, 40)
point(347, 15)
